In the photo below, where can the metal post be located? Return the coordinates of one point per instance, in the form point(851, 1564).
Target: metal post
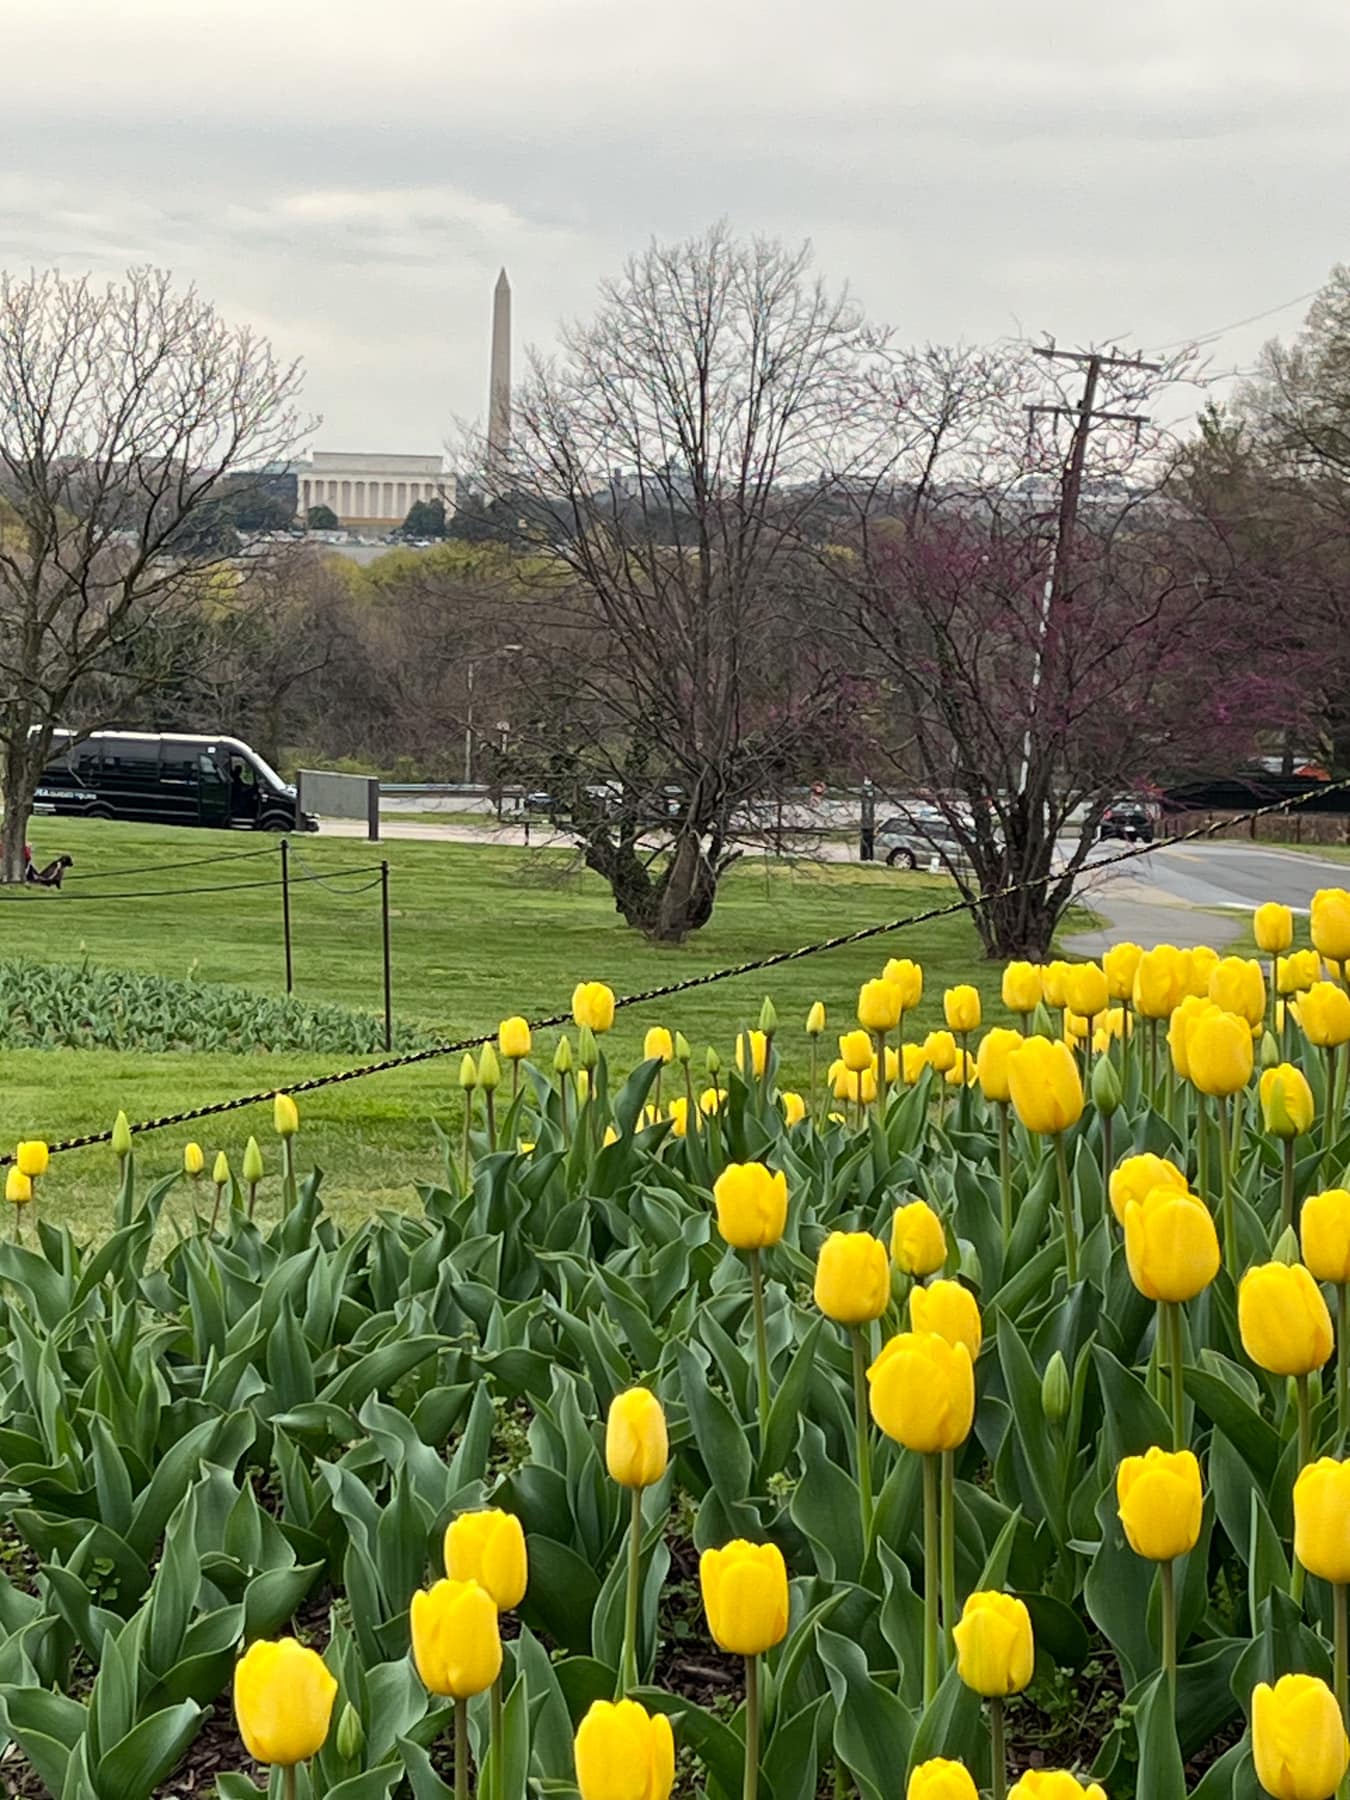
point(388, 979)
point(286, 912)
point(373, 808)
point(867, 842)
point(468, 730)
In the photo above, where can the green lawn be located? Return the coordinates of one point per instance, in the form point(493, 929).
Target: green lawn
point(477, 932)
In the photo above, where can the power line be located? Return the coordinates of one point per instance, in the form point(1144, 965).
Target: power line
point(1269, 312)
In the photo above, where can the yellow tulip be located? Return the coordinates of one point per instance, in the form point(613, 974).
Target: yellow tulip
point(879, 1006)
point(1299, 1744)
point(918, 1243)
point(1179, 1027)
point(468, 1072)
point(1273, 928)
point(923, 1392)
point(949, 1310)
point(1053, 1784)
point(939, 1779)
point(121, 1135)
point(658, 1045)
point(1324, 1231)
point(1118, 965)
point(1238, 985)
point(194, 1160)
point(489, 1547)
point(1159, 982)
point(220, 1169)
point(991, 1062)
point(1297, 971)
point(853, 1277)
point(907, 977)
point(285, 1116)
point(1283, 1319)
point(1321, 1512)
point(1052, 984)
point(913, 1062)
point(252, 1167)
point(962, 1072)
point(759, 1051)
point(1171, 1246)
point(1159, 1498)
point(1324, 1015)
point(593, 1006)
point(794, 1107)
point(1075, 1027)
point(678, 1114)
point(1086, 989)
point(1021, 989)
point(1136, 1176)
point(751, 1205)
point(18, 1186)
point(710, 1101)
point(855, 1051)
point(489, 1069)
point(513, 1039)
point(32, 1157)
point(1286, 1101)
point(456, 1642)
point(815, 1019)
point(995, 1649)
point(939, 1048)
point(283, 1701)
point(623, 1752)
point(1045, 1085)
point(637, 1445)
point(961, 1008)
point(745, 1596)
point(1219, 1053)
point(1197, 965)
point(1329, 923)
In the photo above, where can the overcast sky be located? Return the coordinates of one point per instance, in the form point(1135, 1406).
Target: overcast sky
point(348, 176)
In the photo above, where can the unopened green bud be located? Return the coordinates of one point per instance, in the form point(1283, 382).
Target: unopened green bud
point(712, 1062)
point(683, 1052)
point(1055, 1391)
point(468, 1073)
point(1105, 1086)
point(489, 1069)
point(253, 1162)
point(220, 1172)
point(562, 1056)
point(351, 1736)
point(121, 1135)
point(1270, 1051)
point(588, 1051)
point(1287, 1248)
point(768, 1017)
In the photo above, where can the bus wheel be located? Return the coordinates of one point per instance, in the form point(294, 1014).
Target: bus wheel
point(274, 822)
point(99, 812)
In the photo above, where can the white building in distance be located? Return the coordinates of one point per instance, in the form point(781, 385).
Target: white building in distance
point(371, 492)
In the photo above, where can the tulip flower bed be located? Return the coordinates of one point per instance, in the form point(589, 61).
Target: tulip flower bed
point(706, 1438)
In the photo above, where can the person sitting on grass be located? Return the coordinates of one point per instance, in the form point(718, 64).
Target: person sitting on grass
point(50, 874)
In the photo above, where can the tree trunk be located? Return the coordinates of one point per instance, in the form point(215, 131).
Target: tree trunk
point(678, 901)
point(21, 780)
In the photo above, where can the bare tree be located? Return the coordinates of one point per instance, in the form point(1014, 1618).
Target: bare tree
point(123, 412)
point(666, 471)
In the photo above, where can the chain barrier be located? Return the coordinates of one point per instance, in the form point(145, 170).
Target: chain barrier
point(232, 887)
point(688, 983)
point(326, 881)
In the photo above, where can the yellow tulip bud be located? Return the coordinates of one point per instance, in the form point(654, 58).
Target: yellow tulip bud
point(637, 1446)
point(658, 1045)
point(456, 1641)
point(751, 1205)
point(1324, 1230)
point(1299, 1744)
point(1286, 1101)
point(853, 1277)
point(351, 1734)
point(913, 1062)
point(922, 1392)
point(285, 1116)
point(32, 1157)
point(1053, 1784)
point(1052, 984)
point(1180, 1026)
point(1283, 1319)
point(624, 1752)
point(1297, 971)
point(961, 1008)
point(1273, 928)
point(1329, 924)
point(855, 1051)
point(1171, 1246)
point(995, 1649)
point(1219, 1052)
point(513, 1039)
point(1056, 1389)
point(907, 977)
point(1046, 1089)
point(879, 1006)
point(1135, 1177)
point(1238, 985)
point(939, 1779)
point(588, 1054)
point(593, 1006)
point(768, 1017)
point(1086, 989)
point(745, 1596)
point(1119, 964)
point(712, 1062)
point(562, 1056)
point(220, 1171)
point(1106, 1089)
point(918, 1243)
point(1021, 987)
point(683, 1051)
point(18, 1186)
point(758, 1053)
point(1160, 1502)
point(1321, 1509)
point(1197, 966)
point(950, 1311)
point(678, 1114)
point(1159, 981)
point(121, 1135)
point(194, 1160)
point(253, 1161)
point(991, 1061)
point(468, 1073)
point(283, 1701)
point(1324, 1015)
point(794, 1107)
point(489, 1547)
point(939, 1047)
point(815, 1019)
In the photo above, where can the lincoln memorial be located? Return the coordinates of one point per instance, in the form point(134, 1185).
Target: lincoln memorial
point(371, 491)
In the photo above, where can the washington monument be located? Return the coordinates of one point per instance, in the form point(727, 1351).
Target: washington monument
point(499, 391)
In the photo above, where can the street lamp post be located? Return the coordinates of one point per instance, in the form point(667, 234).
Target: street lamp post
point(471, 670)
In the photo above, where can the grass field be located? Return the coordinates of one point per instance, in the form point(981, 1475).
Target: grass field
point(477, 932)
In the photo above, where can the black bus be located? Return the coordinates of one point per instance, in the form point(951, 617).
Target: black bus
point(167, 778)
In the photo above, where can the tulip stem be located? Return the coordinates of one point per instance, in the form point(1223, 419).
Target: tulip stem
point(461, 1750)
point(628, 1674)
point(998, 1751)
point(490, 1101)
point(1107, 1152)
point(1167, 1575)
point(1066, 1208)
point(288, 1782)
point(290, 1196)
point(883, 1090)
point(1171, 1319)
point(1202, 1144)
point(751, 1787)
point(761, 1345)
point(1340, 1609)
point(948, 1531)
point(1287, 1186)
point(931, 1564)
point(1342, 1362)
point(1005, 1174)
point(1329, 1116)
point(812, 1089)
point(862, 1434)
point(1226, 1172)
point(498, 1741)
point(1305, 1451)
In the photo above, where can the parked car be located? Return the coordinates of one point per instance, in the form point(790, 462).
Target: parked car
point(168, 778)
point(1131, 820)
point(919, 837)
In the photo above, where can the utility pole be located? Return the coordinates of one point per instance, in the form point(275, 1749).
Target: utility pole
point(1084, 415)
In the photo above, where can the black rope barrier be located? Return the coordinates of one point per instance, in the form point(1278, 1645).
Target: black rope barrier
point(228, 887)
point(190, 862)
point(688, 983)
